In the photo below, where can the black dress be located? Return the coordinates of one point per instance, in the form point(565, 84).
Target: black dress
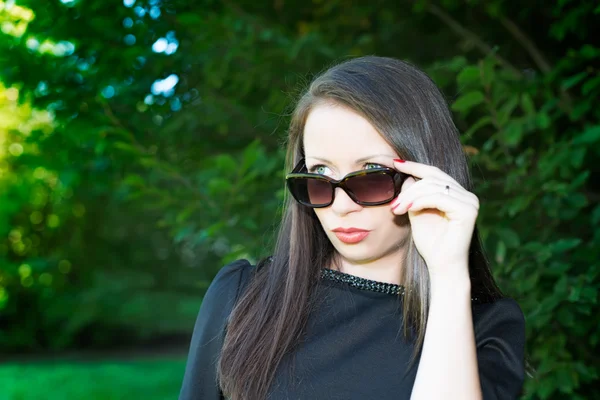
point(354, 347)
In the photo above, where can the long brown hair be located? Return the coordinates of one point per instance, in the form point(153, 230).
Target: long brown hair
point(411, 114)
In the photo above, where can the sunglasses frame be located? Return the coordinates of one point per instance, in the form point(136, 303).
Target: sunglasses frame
point(299, 172)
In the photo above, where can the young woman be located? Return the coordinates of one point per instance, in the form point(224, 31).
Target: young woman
point(378, 287)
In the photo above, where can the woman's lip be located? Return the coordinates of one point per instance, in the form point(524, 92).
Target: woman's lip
point(351, 237)
point(349, 230)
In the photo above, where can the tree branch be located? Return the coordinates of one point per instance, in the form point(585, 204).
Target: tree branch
point(470, 36)
point(527, 44)
point(537, 56)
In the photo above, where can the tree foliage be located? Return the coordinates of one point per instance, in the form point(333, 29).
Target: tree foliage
point(140, 148)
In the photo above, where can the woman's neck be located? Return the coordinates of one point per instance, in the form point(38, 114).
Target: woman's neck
point(387, 268)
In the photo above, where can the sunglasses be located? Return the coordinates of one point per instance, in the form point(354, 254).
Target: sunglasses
point(370, 187)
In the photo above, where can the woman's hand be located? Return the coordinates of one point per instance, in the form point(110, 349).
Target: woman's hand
point(442, 221)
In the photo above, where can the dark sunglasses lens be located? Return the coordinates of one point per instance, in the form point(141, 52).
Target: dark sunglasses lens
point(309, 191)
point(372, 188)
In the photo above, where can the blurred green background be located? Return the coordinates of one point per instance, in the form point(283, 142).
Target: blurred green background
point(141, 149)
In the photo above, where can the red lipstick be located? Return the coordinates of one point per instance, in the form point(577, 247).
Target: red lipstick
point(350, 235)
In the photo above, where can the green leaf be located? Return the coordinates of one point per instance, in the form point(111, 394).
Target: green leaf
point(580, 109)
point(183, 233)
point(576, 201)
point(184, 215)
point(579, 180)
point(543, 120)
point(100, 147)
point(251, 155)
point(546, 389)
point(481, 122)
point(510, 237)
point(152, 162)
point(219, 185)
point(589, 51)
point(577, 156)
point(558, 268)
point(468, 101)
point(589, 136)
point(513, 133)
point(126, 147)
point(493, 9)
point(134, 180)
point(562, 245)
point(506, 110)
point(468, 76)
point(574, 80)
point(487, 67)
point(574, 294)
point(527, 104)
point(226, 163)
point(249, 224)
point(500, 252)
point(564, 379)
point(565, 317)
point(590, 85)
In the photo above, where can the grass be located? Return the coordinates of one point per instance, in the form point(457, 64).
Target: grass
point(104, 380)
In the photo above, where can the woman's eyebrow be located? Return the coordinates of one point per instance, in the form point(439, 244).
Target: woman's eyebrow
point(358, 161)
point(363, 159)
point(319, 159)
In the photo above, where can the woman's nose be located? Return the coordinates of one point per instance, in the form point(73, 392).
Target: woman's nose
point(343, 204)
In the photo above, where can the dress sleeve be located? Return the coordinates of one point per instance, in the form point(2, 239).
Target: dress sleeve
point(500, 337)
point(200, 379)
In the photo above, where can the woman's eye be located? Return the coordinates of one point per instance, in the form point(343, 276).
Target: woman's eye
point(321, 170)
point(373, 165)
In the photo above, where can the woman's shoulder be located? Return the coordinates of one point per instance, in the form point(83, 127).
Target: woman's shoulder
point(224, 290)
point(501, 317)
point(234, 277)
point(230, 274)
point(207, 340)
point(503, 307)
point(229, 279)
point(500, 339)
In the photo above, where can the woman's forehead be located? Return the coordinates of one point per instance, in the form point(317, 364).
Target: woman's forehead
point(337, 133)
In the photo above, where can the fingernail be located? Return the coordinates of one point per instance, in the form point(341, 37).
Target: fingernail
point(409, 206)
point(398, 160)
point(395, 203)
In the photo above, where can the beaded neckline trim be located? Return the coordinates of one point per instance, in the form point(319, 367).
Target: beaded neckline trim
point(362, 283)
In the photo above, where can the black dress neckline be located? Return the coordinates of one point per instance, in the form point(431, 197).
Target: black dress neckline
point(362, 283)
point(376, 286)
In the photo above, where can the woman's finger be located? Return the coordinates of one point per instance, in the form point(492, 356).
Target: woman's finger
point(452, 207)
point(432, 186)
point(422, 171)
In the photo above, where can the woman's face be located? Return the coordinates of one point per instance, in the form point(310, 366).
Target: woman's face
point(338, 141)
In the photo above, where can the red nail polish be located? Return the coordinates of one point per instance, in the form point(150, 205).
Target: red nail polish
point(398, 160)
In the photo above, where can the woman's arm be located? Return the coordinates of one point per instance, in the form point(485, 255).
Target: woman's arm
point(448, 367)
point(468, 345)
point(442, 217)
point(457, 361)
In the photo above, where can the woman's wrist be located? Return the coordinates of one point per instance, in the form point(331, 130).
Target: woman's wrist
point(450, 282)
